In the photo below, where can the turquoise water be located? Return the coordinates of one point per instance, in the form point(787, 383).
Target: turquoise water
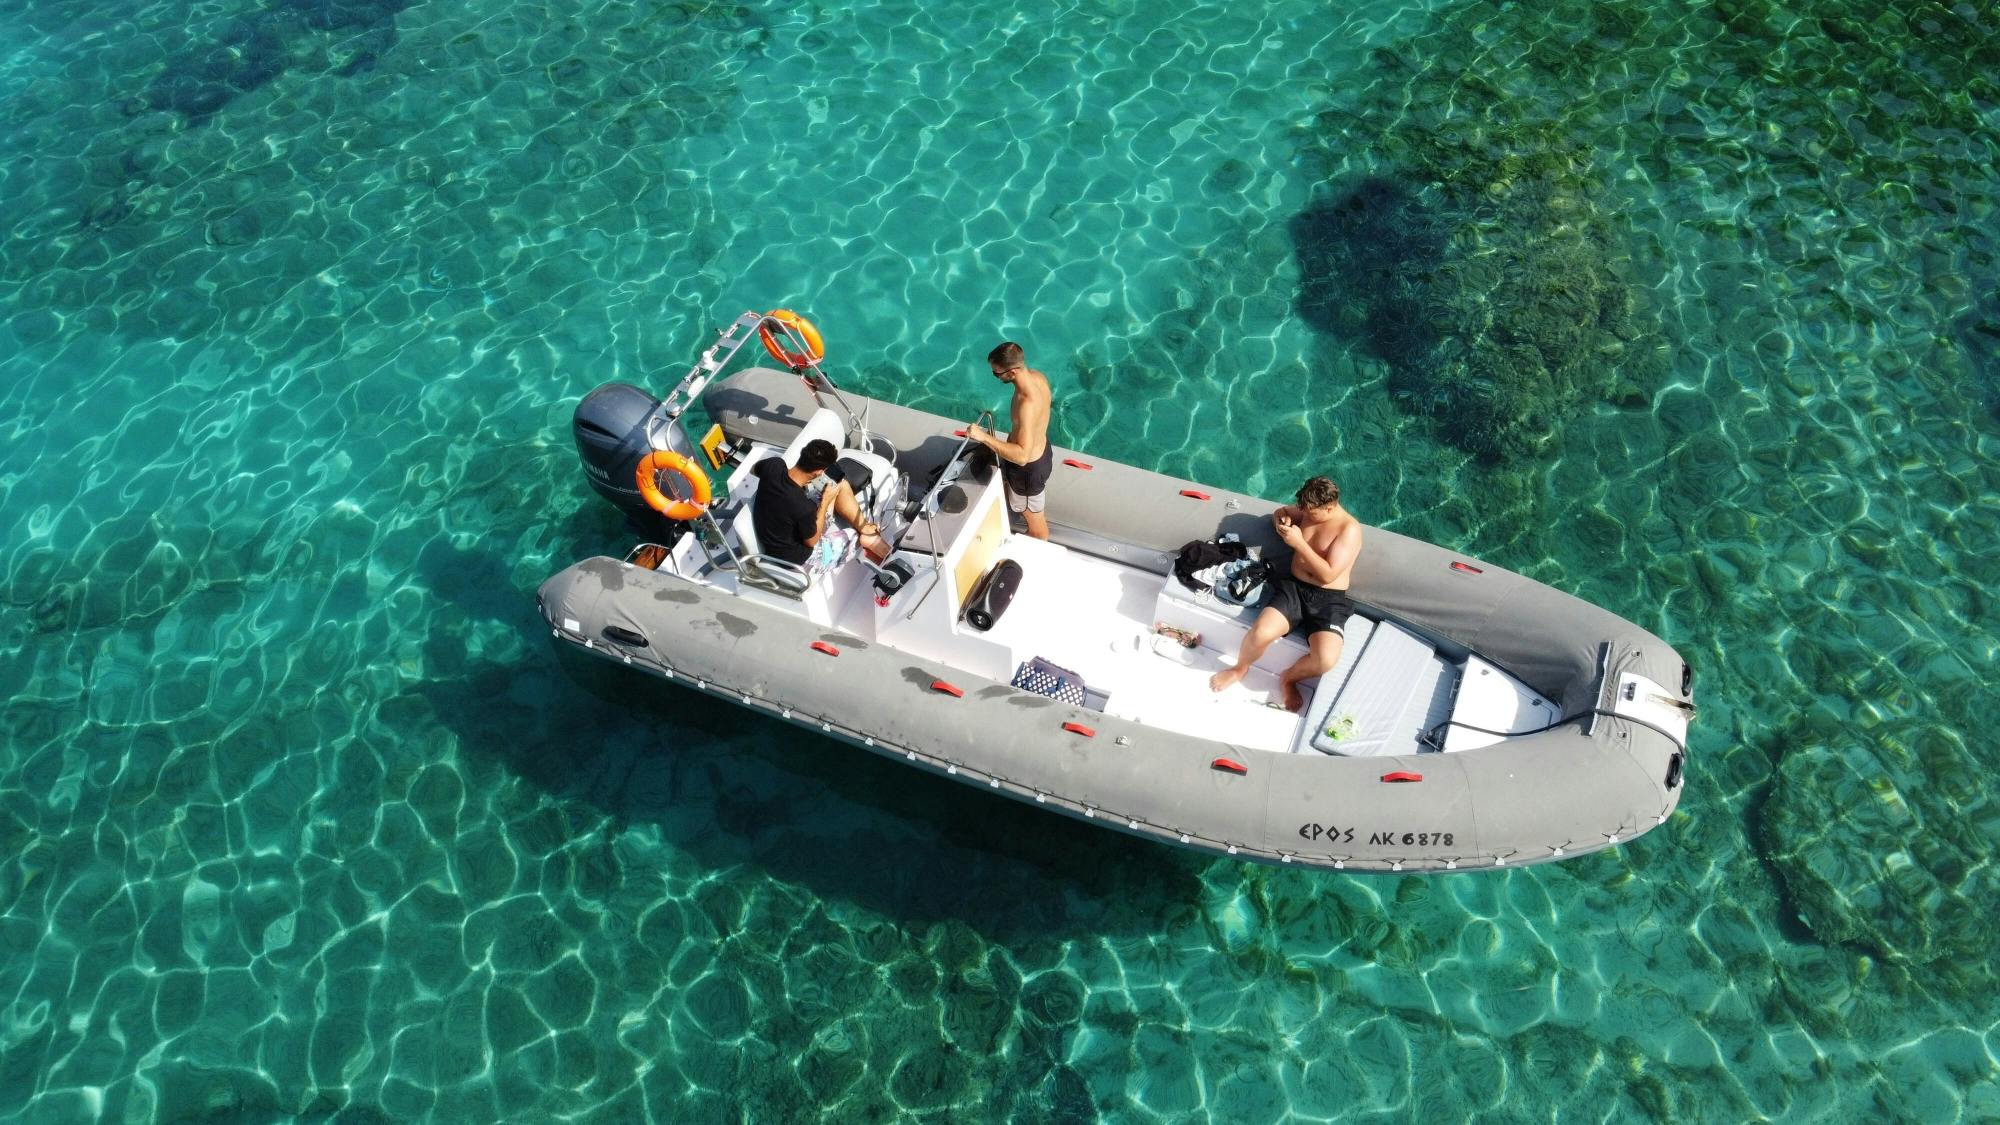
point(301, 815)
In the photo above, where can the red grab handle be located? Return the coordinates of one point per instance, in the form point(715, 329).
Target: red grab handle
point(1466, 568)
point(1402, 775)
point(1079, 728)
point(1076, 464)
point(1229, 765)
point(949, 689)
point(1193, 495)
point(822, 646)
point(958, 433)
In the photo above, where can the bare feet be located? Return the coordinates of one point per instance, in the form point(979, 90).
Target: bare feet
point(873, 543)
point(1226, 679)
point(1293, 700)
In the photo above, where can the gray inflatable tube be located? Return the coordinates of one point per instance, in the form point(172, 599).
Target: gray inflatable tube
point(1596, 779)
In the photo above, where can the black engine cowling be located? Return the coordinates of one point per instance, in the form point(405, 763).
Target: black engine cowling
point(610, 432)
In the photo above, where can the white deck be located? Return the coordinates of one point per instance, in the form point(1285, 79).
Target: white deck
point(1095, 617)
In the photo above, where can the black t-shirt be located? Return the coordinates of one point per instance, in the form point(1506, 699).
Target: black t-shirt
point(784, 516)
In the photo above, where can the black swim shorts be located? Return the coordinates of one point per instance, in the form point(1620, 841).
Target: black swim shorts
point(1025, 483)
point(1310, 609)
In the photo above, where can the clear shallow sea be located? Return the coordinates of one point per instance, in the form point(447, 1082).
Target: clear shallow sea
point(302, 817)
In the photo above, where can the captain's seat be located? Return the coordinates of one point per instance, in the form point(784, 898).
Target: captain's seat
point(869, 474)
point(872, 476)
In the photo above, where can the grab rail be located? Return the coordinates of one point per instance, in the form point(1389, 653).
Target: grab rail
point(928, 507)
point(775, 574)
point(713, 360)
point(946, 476)
point(718, 356)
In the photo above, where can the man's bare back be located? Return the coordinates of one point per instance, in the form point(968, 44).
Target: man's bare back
point(1030, 415)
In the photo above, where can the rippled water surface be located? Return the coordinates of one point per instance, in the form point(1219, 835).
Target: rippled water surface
point(1690, 312)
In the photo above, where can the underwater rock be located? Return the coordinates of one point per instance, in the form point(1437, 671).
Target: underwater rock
point(1229, 177)
point(255, 50)
point(1901, 869)
point(1467, 167)
point(1494, 297)
point(174, 230)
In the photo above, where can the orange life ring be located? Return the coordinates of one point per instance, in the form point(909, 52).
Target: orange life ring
point(803, 328)
point(649, 487)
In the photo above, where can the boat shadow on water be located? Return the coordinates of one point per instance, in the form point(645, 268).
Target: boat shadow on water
point(732, 789)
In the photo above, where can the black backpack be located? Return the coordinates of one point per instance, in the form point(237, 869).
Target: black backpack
point(1198, 555)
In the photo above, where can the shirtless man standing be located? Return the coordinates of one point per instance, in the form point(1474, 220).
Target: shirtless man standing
point(1325, 540)
point(1026, 457)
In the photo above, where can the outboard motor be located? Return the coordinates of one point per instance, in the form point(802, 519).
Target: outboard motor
point(610, 431)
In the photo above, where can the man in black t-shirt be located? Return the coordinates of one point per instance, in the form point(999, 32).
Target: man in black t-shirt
point(791, 523)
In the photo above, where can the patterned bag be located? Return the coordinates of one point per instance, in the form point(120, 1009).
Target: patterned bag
point(1243, 583)
point(1044, 678)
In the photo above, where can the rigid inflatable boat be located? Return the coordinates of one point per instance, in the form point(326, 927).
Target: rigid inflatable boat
point(1475, 719)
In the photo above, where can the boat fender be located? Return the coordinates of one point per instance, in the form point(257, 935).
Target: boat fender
point(797, 328)
point(666, 460)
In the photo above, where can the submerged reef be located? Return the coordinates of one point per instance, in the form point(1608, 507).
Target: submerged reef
point(1499, 342)
point(1863, 863)
point(292, 147)
point(1809, 189)
point(251, 51)
point(1480, 265)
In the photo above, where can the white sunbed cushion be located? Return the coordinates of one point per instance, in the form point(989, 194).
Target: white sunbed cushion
point(1396, 674)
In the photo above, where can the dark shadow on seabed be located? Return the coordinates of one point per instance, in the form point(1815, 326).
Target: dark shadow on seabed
point(730, 787)
point(252, 51)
